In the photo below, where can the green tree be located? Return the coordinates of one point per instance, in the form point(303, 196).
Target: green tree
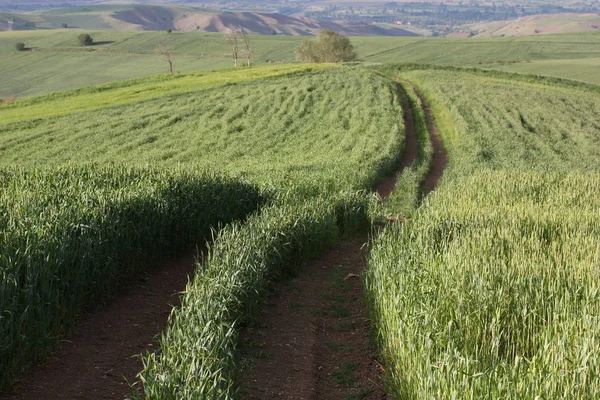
point(85, 39)
point(20, 46)
point(329, 47)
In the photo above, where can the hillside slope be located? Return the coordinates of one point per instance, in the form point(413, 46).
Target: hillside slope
point(153, 18)
point(539, 25)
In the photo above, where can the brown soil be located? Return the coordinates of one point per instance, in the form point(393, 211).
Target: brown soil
point(314, 339)
point(101, 355)
point(386, 187)
point(440, 157)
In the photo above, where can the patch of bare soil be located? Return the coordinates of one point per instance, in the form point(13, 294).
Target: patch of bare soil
point(102, 354)
point(314, 339)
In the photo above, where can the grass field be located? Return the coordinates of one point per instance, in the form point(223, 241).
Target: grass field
point(57, 63)
point(313, 140)
point(585, 69)
point(491, 291)
point(132, 91)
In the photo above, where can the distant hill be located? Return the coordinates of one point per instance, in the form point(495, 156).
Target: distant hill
point(539, 25)
point(154, 18)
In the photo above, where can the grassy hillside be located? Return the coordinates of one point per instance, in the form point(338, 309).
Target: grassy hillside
point(185, 120)
point(137, 90)
point(473, 51)
point(491, 291)
point(56, 62)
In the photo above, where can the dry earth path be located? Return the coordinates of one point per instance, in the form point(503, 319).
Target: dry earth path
point(314, 338)
point(102, 354)
point(440, 156)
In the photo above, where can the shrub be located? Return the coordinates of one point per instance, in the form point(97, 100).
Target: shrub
point(85, 39)
point(329, 47)
point(20, 46)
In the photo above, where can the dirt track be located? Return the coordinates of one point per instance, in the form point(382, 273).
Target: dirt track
point(314, 340)
point(102, 353)
point(440, 156)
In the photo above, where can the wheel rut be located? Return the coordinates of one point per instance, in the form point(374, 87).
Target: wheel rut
point(386, 187)
point(314, 337)
point(101, 356)
point(440, 156)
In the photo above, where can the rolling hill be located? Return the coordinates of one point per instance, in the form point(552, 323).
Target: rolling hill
point(179, 18)
point(539, 25)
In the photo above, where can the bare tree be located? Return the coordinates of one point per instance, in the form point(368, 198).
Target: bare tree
point(164, 50)
point(232, 37)
point(246, 40)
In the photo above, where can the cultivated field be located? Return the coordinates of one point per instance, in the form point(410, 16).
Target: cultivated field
point(57, 62)
point(486, 287)
point(313, 141)
point(491, 289)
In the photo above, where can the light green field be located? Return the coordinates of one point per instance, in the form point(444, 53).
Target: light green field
point(56, 61)
point(137, 90)
point(585, 69)
point(491, 291)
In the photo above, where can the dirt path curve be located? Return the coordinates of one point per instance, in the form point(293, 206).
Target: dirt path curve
point(103, 351)
point(440, 156)
point(386, 187)
point(314, 340)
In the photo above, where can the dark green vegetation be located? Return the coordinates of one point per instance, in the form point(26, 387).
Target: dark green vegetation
point(329, 47)
point(57, 62)
point(71, 235)
point(314, 141)
point(85, 39)
point(492, 289)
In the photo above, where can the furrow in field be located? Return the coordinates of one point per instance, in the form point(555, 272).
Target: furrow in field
point(386, 187)
point(440, 156)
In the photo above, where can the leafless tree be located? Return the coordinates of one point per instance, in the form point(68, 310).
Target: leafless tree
point(164, 50)
point(232, 37)
point(246, 40)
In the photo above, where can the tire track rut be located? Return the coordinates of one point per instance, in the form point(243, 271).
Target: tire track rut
point(314, 337)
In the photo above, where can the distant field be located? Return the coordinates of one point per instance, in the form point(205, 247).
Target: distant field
point(56, 62)
point(585, 70)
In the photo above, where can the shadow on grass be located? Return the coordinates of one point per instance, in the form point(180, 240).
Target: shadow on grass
point(101, 43)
